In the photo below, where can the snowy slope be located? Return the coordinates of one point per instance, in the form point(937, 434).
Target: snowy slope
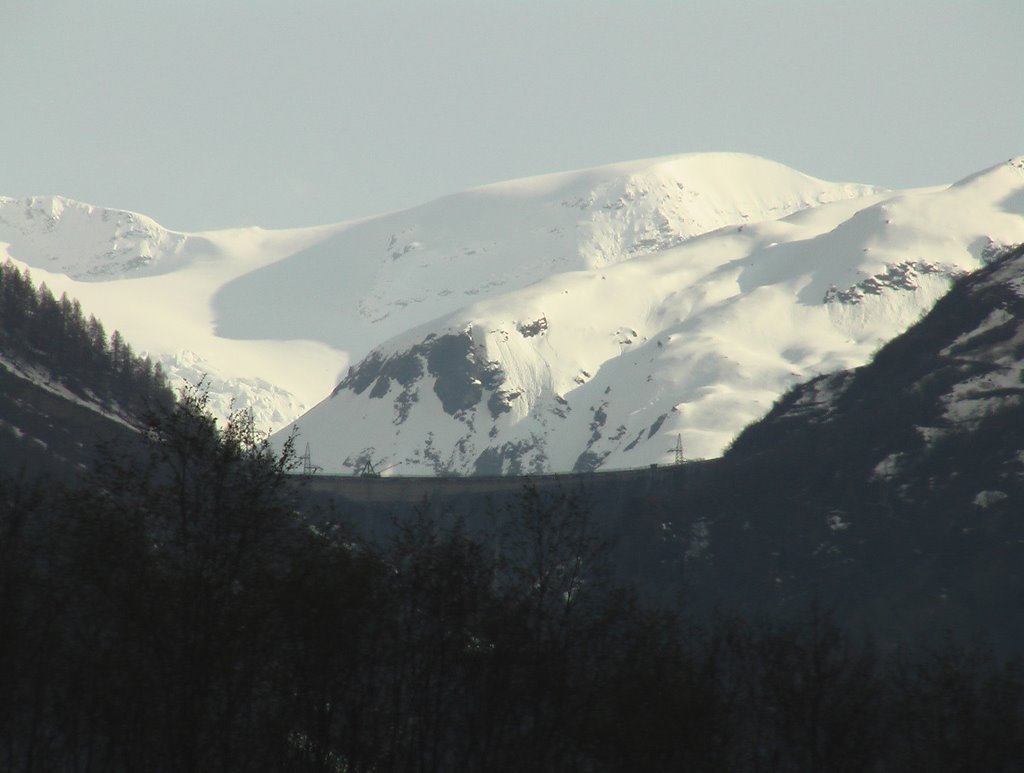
point(604, 366)
point(567, 321)
point(91, 243)
point(380, 277)
point(157, 287)
point(273, 319)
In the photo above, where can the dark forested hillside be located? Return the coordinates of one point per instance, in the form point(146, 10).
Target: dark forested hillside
point(65, 383)
point(896, 491)
point(174, 611)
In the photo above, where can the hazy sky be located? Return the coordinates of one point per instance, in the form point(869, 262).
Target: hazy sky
point(217, 113)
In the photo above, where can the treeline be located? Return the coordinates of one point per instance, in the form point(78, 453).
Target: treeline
point(39, 329)
point(176, 613)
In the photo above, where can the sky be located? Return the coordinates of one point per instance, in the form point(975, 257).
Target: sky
point(219, 113)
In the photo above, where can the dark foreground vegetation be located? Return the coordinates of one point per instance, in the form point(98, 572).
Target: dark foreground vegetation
point(64, 383)
point(54, 335)
point(175, 611)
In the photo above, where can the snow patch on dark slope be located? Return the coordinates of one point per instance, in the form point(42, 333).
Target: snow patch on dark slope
point(893, 492)
point(927, 396)
point(46, 427)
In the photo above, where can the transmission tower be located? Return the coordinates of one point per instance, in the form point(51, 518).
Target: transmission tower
point(308, 468)
point(678, 449)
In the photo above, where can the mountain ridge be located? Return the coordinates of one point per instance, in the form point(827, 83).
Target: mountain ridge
point(769, 274)
point(567, 281)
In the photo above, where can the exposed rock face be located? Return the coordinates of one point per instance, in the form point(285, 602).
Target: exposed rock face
point(460, 374)
point(472, 392)
point(900, 276)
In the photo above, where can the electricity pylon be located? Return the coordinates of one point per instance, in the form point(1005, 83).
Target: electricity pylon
point(678, 450)
point(308, 468)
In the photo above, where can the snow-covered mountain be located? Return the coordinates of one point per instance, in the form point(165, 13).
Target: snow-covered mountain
point(571, 321)
point(606, 365)
point(157, 287)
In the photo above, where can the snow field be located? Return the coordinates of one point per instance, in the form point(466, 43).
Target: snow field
point(621, 305)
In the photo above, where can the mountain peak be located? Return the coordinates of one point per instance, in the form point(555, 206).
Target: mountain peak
point(577, 320)
point(1007, 174)
point(693, 299)
point(86, 242)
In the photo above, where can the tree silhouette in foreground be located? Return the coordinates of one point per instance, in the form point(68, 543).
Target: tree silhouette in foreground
point(176, 612)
